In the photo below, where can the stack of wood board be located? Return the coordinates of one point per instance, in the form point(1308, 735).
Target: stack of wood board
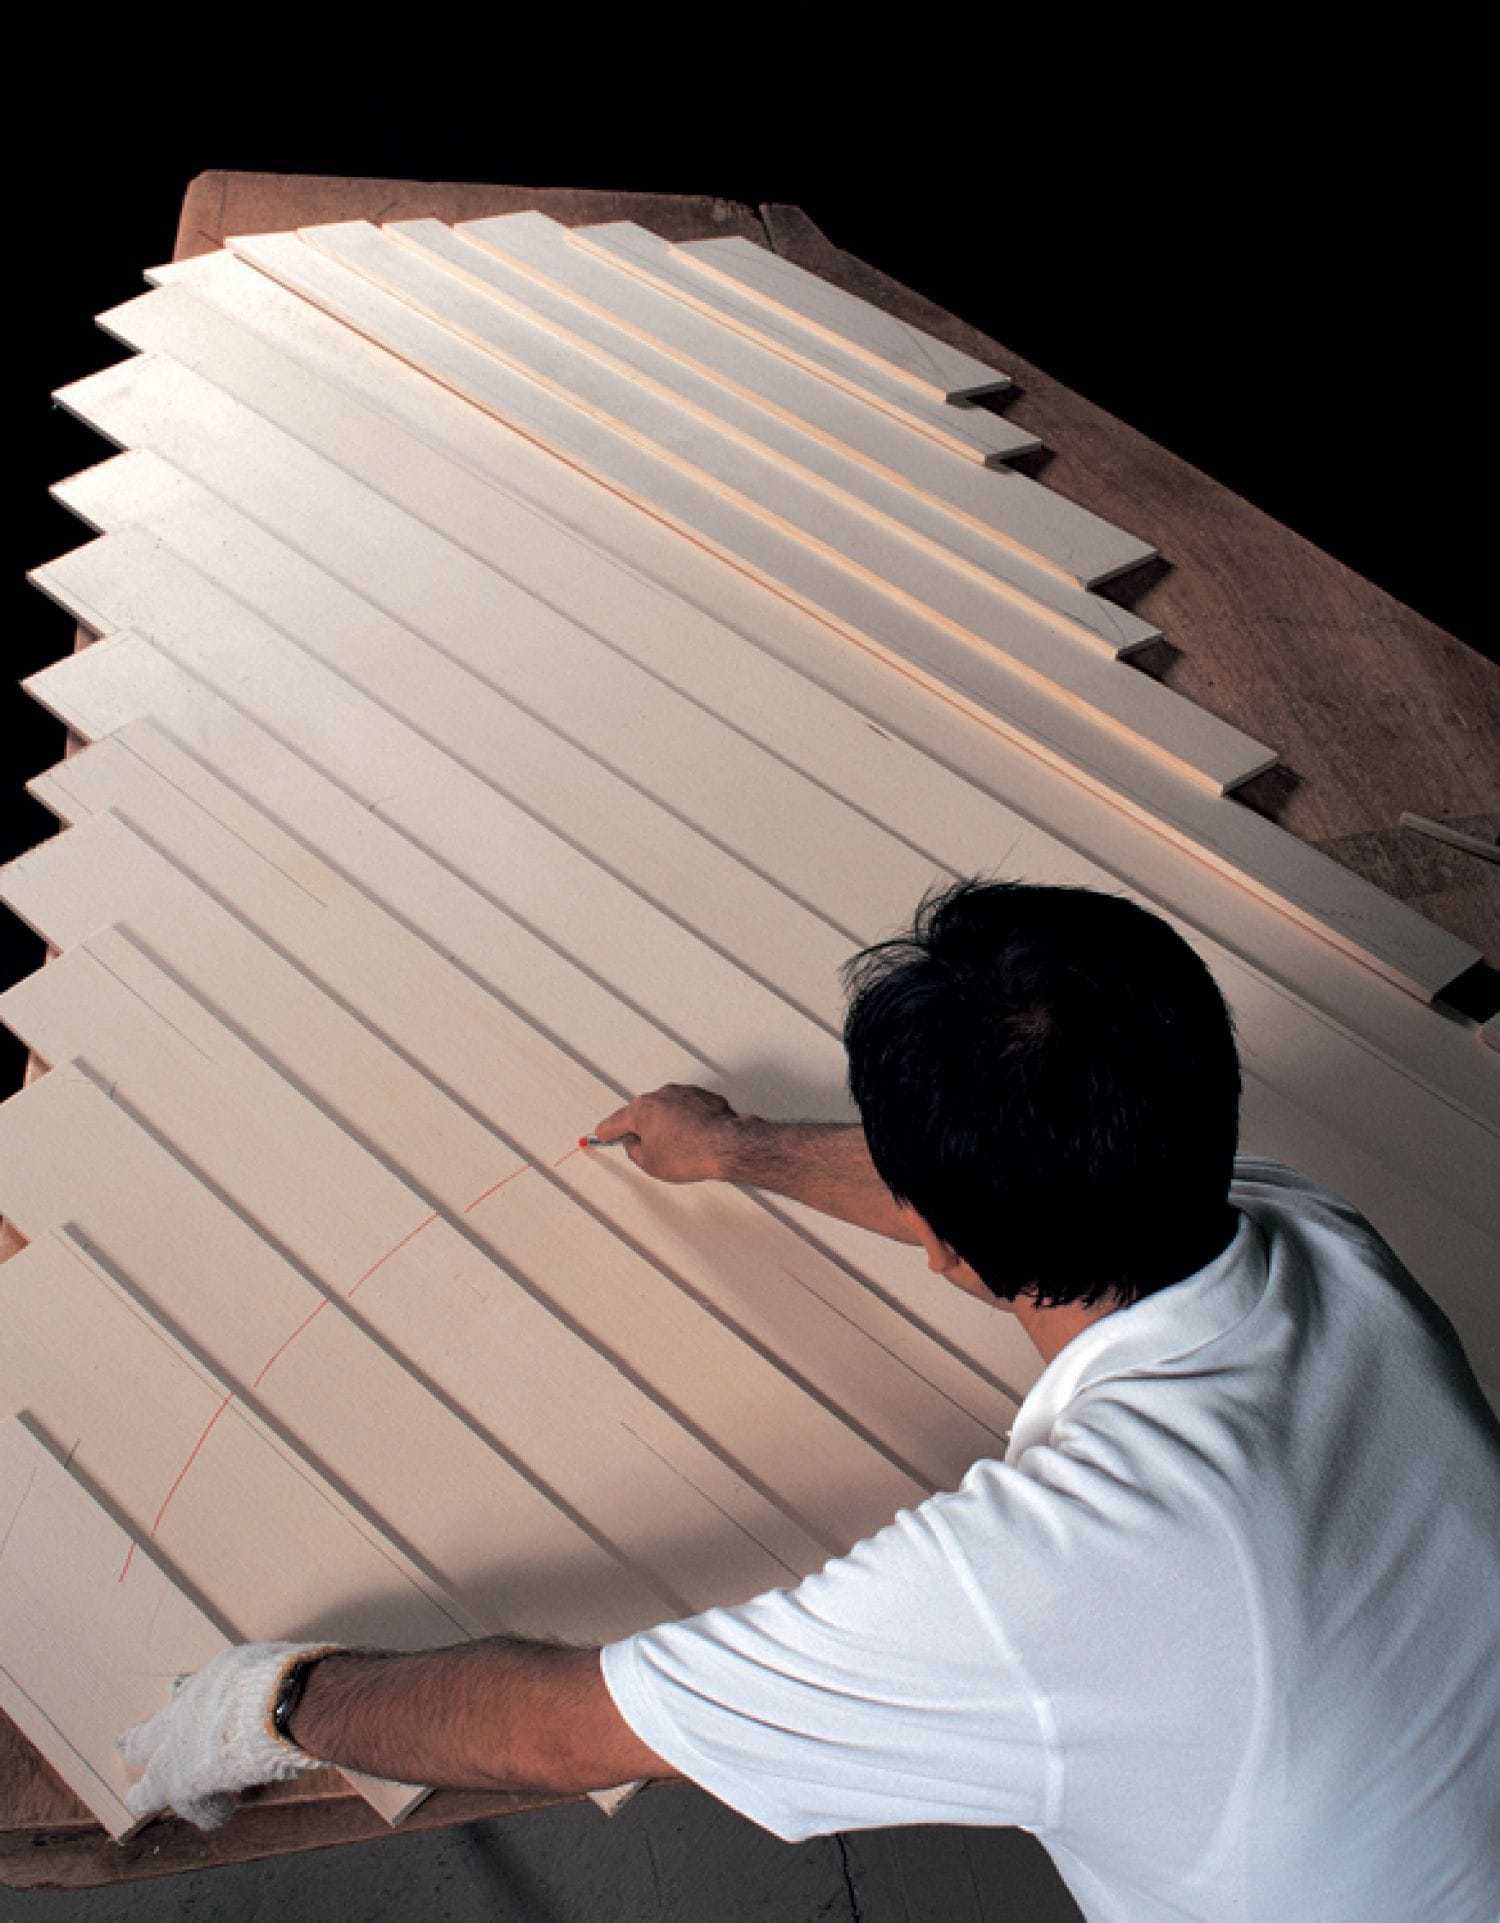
point(533, 661)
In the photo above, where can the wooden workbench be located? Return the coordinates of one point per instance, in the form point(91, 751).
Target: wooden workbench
point(1372, 709)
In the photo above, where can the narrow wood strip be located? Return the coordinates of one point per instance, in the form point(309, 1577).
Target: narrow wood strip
point(1030, 541)
point(156, 1437)
point(645, 254)
point(609, 923)
point(85, 1654)
point(756, 1268)
point(677, 611)
point(1454, 837)
point(154, 403)
point(656, 792)
point(273, 1153)
point(340, 1384)
point(1274, 1029)
point(499, 1069)
point(749, 507)
point(280, 1350)
point(810, 302)
point(1289, 1031)
point(540, 244)
point(888, 448)
point(537, 717)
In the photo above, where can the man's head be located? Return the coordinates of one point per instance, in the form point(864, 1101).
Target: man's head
point(1048, 1077)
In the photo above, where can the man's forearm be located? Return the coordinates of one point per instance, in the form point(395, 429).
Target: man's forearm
point(684, 1134)
point(495, 1714)
point(824, 1164)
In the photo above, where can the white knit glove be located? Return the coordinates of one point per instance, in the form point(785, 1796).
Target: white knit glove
point(215, 1737)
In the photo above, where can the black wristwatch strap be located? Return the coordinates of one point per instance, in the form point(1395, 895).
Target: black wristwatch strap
point(293, 1684)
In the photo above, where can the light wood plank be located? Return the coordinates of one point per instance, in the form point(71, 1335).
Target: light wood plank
point(1293, 1033)
point(486, 1071)
point(752, 508)
point(540, 245)
point(537, 1088)
point(563, 1416)
point(188, 1468)
point(1281, 1038)
point(480, 1536)
point(674, 609)
point(640, 252)
point(85, 1654)
point(810, 302)
point(274, 1155)
point(730, 1254)
point(157, 404)
point(553, 718)
point(624, 929)
point(1032, 542)
point(979, 838)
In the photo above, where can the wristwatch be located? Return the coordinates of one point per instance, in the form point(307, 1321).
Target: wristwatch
point(290, 1691)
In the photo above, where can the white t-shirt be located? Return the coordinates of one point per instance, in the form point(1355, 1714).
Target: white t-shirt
point(1222, 1630)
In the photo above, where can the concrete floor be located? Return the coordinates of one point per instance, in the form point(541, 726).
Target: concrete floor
point(673, 1855)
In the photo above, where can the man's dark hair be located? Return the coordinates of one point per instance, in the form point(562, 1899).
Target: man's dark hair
point(1048, 1077)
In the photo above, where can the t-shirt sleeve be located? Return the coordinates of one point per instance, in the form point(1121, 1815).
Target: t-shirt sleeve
point(881, 1690)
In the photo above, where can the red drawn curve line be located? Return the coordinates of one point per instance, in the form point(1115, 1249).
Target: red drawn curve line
point(177, 1481)
point(524, 1169)
point(277, 1354)
point(353, 1289)
point(426, 1223)
point(265, 1370)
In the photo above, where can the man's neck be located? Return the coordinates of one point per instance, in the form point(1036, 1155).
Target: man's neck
point(1051, 1330)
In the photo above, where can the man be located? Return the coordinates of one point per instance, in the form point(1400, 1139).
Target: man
point(1220, 1629)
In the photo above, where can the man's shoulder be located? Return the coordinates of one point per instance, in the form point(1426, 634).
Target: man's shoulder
point(1263, 1175)
point(1285, 1200)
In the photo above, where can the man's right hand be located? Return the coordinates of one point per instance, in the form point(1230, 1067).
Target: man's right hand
point(684, 1134)
point(677, 1133)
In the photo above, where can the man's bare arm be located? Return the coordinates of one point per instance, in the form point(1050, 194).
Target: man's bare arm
point(683, 1134)
point(495, 1714)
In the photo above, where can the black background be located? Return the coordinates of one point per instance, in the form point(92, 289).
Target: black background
point(1264, 239)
